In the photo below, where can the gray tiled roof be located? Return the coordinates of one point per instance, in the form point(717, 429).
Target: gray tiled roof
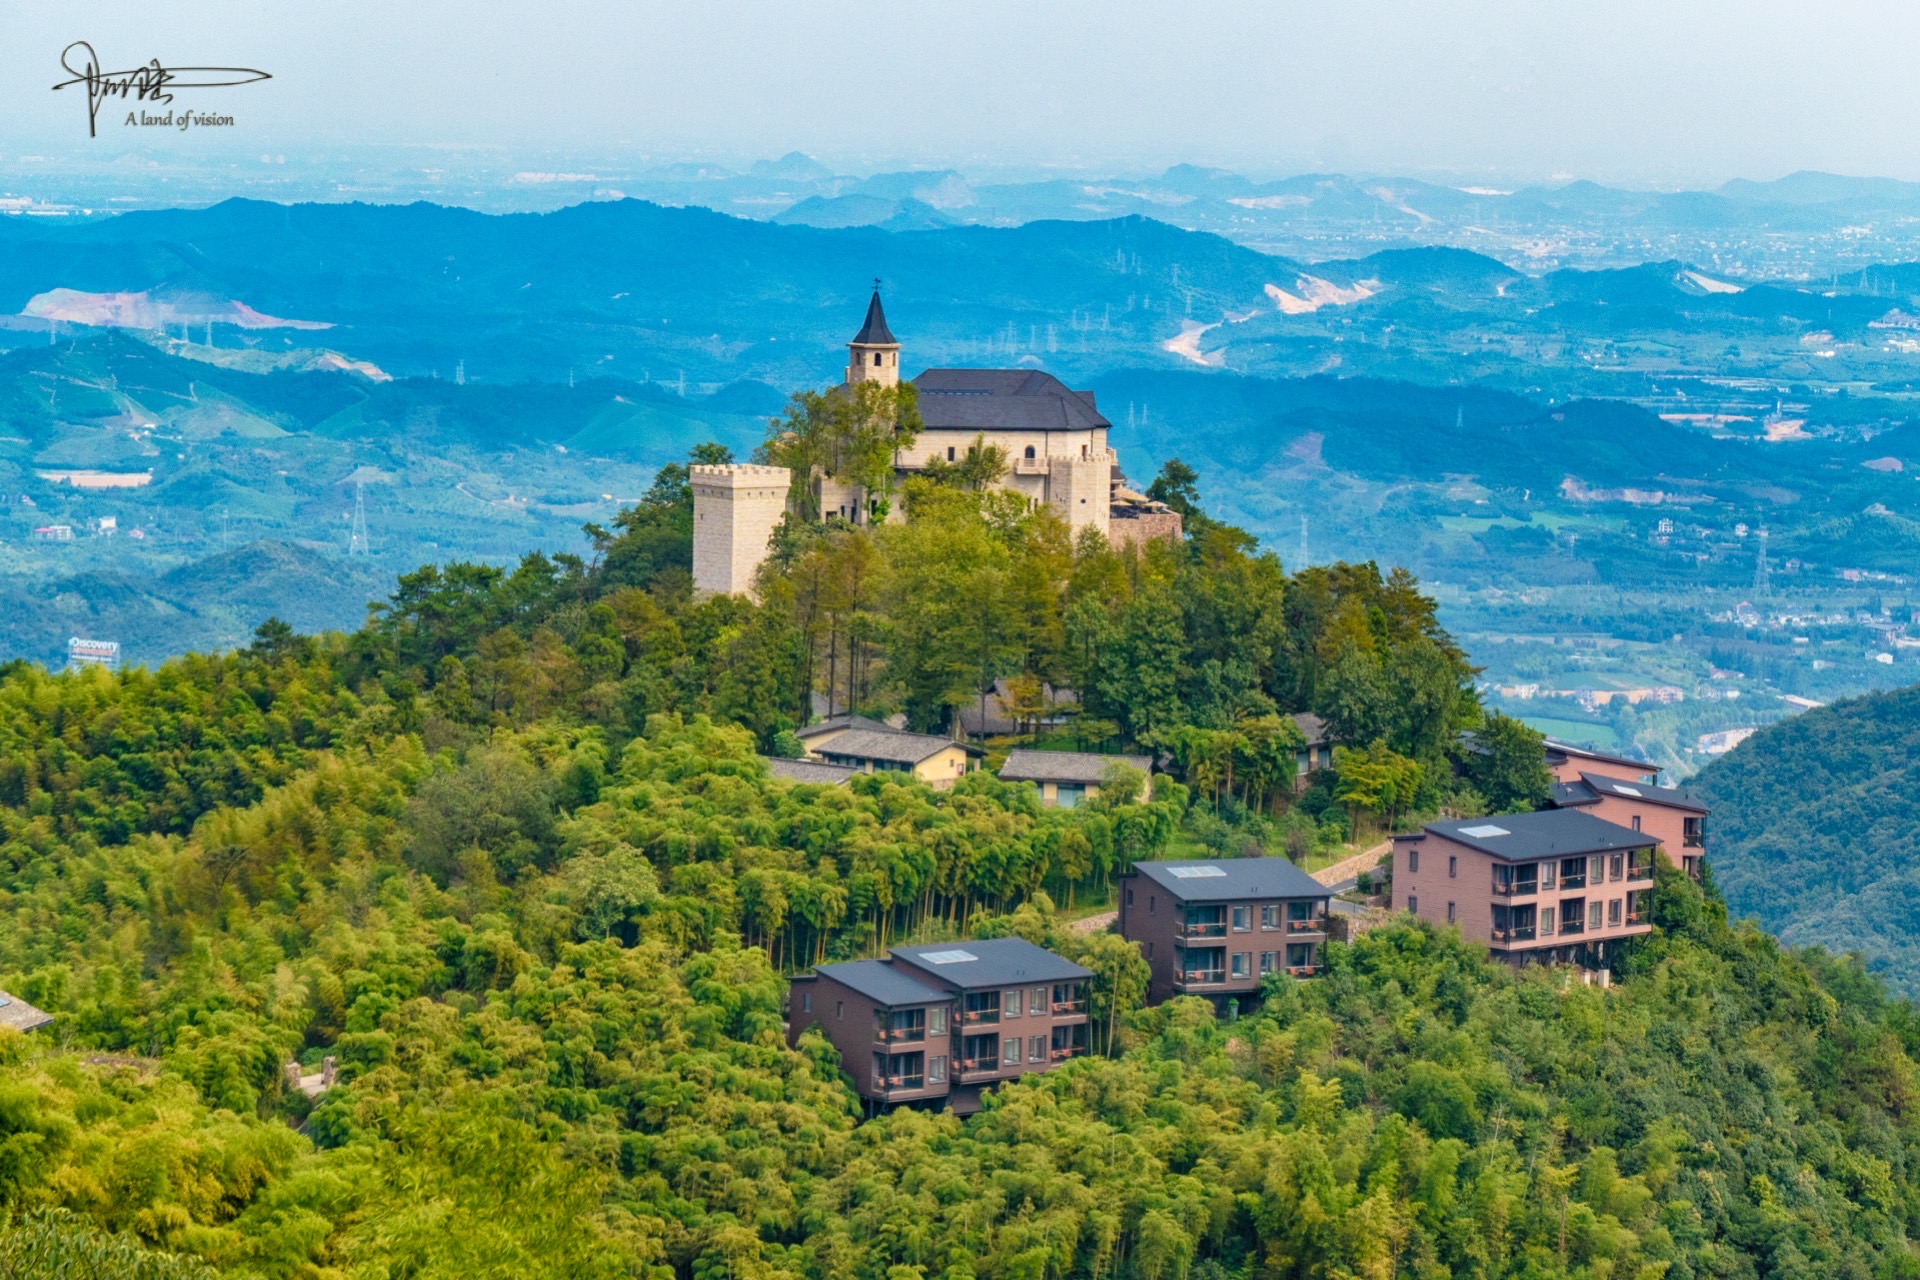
point(1065, 766)
point(21, 1016)
point(1232, 879)
point(995, 962)
point(889, 745)
point(808, 770)
point(1312, 728)
point(832, 724)
point(1550, 833)
point(1006, 399)
point(889, 984)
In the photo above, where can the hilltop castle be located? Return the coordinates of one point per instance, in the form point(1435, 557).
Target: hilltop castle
point(1054, 438)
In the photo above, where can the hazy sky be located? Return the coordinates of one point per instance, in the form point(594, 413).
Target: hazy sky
point(1655, 91)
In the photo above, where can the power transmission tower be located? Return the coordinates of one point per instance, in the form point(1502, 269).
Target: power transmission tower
point(1762, 575)
point(357, 539)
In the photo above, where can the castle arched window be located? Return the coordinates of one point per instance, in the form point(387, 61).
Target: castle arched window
point(876, 359)
point(1029, 451)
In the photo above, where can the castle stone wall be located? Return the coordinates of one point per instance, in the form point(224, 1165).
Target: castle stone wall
point(736, 508)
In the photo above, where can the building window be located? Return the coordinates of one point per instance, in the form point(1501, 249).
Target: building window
point(1266, 962)
point(1241, 916)
point(1029, 452)
point(876, 359)
point(1151, 899)
point(1453, 866)
point(1010, 1052)
point(1413, 904)
point(1037, 1049)
point(1450, 913)
point(1240, 964)
point(1616, 866)
point(1129, 895)
point(1573, 873)
point(806, 1002)
point(949, 453)
point(1413, 859)
point(1037, 1007)
point(1613, 912)
point(1010, 1005)
point(937, 1020)
point(1636, 822)
point(1593, 914)
point(1547, 870)
point(1546, 921)
point(1270, 916)
point(1596, 869)
point(937, 1069)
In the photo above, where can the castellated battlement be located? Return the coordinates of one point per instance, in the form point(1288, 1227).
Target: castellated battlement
point(736, 508)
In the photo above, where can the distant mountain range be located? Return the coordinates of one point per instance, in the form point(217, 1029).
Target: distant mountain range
point(645, 293)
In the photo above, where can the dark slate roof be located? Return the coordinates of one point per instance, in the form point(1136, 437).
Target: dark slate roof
point(1565, 749)
point(1003, 399)
point(1312, 728)
point(834, 723)
point(1596, 785)
point(808, 770)
point(1550, 833)
point(875, 331)
point(1232, 879)
point(998, 723)
point(996, 962)
point(21, 1016)
point(1065, 766)
point(889, 984)
point(890, 745)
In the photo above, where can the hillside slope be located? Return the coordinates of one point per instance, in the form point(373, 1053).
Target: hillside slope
point(1816, 829)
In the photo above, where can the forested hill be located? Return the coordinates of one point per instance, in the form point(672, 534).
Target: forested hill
point(1816, 830)
point(509, 856)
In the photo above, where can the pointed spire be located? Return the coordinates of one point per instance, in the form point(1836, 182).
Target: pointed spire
point(875, 332)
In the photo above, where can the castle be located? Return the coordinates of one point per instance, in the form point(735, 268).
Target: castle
point(1054, 438)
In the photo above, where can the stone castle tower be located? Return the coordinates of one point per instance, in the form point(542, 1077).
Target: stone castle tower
point(874, 354)
point(736, 508)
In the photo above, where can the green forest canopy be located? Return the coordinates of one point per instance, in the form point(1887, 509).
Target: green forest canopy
point(510, 857)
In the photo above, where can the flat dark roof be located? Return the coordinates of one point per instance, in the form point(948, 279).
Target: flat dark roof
point(1232, 879)
point(1550, 833)
point(1592, 786)
point(885, 983)
point(994, 962)
point(809, 770)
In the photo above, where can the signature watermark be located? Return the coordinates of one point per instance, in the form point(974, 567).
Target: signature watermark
point(151, 84)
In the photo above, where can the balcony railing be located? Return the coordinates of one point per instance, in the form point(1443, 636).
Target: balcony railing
point(891, 1083)
point(900, 1035)
point(1523, 934)
point(979, 1064)
point(1066, 1008)
point(1639, 873)
point(1030, 466)
point(1313, 924)
point(1573, 882)
point(1202, 929)
point(1303, 970)
point(1203, 976)
point(980, 1015)
point(1518, 889)
point(1061, 1055)
point(1573, 926)
point(1637, 917)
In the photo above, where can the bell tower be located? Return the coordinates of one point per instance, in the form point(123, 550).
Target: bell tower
point(873, 355)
